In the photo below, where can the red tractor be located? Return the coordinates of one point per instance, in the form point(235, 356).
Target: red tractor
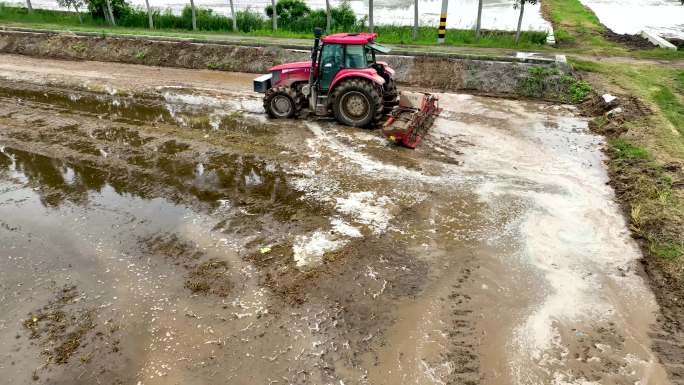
point(344, 78)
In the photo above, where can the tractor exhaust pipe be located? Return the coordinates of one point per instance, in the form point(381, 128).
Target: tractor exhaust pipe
point(312, 95)
point(318, 32)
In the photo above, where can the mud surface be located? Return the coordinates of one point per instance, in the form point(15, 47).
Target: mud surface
point(630, 41)
point(164, 232)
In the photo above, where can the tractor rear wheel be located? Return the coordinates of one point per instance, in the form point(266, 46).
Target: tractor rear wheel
point(282, 102)
point(357, 103)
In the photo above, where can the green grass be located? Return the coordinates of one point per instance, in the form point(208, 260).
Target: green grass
point(627, 150)
point(573, 23)
point(639, 155)
point(670, 106)
point(668, 250)
point(680, 80)
point(428, 36)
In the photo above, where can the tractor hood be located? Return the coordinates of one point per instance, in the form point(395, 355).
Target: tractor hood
point(291, 66)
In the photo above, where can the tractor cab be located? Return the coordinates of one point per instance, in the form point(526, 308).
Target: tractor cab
point(345, 56)
point(347, 51)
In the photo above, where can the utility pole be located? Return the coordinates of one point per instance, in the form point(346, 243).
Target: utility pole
point(194, 16)
point(149, 14)
point(275, 16)
point(441, 32)
point(29, 6)
point(327, 16)
point(232, 15)
point(370, 15)
point(415, 19)
point(479, 19)
point(520, 19)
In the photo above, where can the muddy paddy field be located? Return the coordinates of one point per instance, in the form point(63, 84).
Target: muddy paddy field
point(155, 228)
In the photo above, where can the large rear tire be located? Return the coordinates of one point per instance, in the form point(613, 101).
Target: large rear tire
point(282, 102)
point(357, 103)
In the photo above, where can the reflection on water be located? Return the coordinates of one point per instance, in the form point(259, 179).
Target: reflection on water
point(239, 180)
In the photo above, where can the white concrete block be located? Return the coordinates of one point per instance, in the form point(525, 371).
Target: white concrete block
point(657, 40)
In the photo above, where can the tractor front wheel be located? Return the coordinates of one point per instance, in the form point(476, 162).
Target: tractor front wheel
point(281, 102)
point(357, 103)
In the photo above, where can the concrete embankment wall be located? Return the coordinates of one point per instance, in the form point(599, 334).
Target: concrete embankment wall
point(504, 76)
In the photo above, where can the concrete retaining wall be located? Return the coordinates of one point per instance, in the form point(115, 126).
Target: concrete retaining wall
point(488, 75)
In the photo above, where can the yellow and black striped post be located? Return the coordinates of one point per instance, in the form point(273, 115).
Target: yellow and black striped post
point(441, 32)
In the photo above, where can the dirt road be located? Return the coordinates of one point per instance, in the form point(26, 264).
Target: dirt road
point(155, 228)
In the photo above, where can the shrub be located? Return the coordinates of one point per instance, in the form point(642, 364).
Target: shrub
point(248, 21)
point(119, 7)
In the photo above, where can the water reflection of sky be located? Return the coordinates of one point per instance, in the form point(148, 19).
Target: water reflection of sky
point(228, 177)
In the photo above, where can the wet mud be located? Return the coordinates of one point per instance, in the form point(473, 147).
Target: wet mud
point(178, 237)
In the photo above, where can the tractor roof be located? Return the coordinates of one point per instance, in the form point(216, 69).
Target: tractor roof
point(350, 38)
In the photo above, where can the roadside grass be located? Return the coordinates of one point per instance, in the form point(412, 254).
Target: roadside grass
point(573, 22)
point(643, 160)
point(388, 34)
point(428, 36)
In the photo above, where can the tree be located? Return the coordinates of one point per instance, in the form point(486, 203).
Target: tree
point(149, 14)
point(100, 9)
point(30, 7)
point(478, 25)
point(194, 16)
point(233, 16)
point(521, 4)
point(75, 4)
point(110, 13)
point(288, 11)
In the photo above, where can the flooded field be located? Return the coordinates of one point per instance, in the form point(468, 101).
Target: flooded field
point(165, 232)
point(665, 17)
point(496, 14)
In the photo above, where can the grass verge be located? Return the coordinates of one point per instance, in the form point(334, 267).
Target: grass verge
point(646, 154)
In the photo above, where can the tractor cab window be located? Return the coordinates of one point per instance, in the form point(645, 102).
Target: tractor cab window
point(370, 55)
point(355, 57)
point(330, 63)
